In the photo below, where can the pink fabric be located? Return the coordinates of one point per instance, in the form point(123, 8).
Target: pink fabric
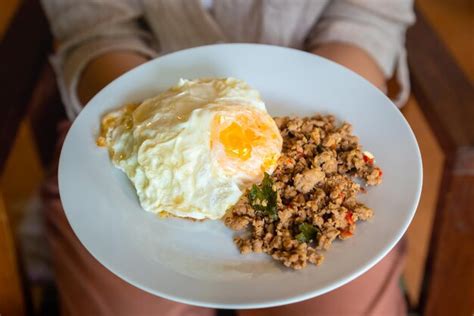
point(374, 293)
point(88, 288)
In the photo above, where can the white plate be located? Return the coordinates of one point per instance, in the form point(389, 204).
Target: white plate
point(197, 263)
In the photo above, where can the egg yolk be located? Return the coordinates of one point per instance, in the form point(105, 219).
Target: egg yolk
point(244, 142)
point(238, 140)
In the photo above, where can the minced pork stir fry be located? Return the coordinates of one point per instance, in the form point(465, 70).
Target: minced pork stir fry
point(310, 199)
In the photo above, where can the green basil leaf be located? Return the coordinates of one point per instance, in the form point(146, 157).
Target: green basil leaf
point(307, 233)
point(263, 198)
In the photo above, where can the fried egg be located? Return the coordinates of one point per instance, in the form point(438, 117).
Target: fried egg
point(193, 150)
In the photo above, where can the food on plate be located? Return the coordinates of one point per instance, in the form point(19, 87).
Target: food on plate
point(208, 149)
point(311, 197)
point(193, 150)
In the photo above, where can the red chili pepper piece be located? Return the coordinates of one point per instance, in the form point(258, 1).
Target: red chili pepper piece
point(346, 233)
point(349, 218)
point(368, 160)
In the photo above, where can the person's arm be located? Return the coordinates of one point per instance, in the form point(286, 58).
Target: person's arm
point(355, 59)
point(366, 36)
point(96, 42)
point(104, 69)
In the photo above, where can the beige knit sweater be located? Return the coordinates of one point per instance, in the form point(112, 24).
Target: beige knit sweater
point(88, 28)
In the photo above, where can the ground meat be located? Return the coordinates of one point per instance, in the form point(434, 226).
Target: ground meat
point(307, 180)
point(314, 182)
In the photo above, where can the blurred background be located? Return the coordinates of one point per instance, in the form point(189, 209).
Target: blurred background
point(439, 273)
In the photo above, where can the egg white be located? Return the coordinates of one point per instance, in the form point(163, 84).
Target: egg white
point(163, 146)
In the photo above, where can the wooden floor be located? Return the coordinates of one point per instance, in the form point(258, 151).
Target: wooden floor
point(454, 21)
point(12, 194)
point(7, 11)
point(419, 232)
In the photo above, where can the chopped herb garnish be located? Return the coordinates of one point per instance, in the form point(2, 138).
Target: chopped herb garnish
point(263, 198)
point(308, 233)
